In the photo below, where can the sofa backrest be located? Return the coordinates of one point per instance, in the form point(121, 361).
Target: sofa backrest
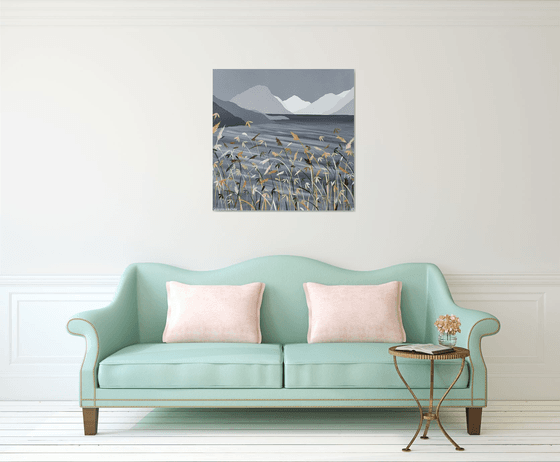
point(284, 314)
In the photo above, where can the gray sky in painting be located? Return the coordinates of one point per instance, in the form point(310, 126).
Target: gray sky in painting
point(308, 84)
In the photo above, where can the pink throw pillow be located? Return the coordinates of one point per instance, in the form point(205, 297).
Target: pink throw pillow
point(213, 313)
point(354, 313)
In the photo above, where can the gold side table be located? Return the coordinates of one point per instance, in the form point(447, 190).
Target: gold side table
point(458, 353)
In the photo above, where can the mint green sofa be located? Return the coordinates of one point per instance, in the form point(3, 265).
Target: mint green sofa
point(127, 365)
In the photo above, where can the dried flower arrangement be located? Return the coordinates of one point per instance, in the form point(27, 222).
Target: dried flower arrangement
point(448, 324)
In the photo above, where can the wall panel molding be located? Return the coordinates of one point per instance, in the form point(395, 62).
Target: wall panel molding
point(39, 359)
point(457, 279)
point(35, 349)
point(501, 279)
point(57, 281)
point(523, 359)
point(280, 12)
point(526, 344)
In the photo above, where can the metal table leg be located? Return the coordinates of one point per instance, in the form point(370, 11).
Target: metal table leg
point(430, 415)
point(457, 447)
point(417, 402)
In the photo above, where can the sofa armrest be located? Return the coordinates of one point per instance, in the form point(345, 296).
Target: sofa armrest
point(475, 325)
point(106, 331)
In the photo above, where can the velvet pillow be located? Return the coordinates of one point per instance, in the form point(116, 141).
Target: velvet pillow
point(213, 313)
point(354, 313)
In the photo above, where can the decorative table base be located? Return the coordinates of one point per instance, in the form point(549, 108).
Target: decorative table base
point(430, 415)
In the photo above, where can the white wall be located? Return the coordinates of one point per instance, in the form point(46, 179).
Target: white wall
point(105, 149)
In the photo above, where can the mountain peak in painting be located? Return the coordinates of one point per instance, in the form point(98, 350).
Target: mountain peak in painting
point(260, 98)
point(329, 103)
point(295, 103)
point(344, 104)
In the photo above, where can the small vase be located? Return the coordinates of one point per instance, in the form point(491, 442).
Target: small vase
point(448, 340)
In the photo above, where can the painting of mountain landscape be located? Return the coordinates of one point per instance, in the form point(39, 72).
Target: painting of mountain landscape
point(283, 139)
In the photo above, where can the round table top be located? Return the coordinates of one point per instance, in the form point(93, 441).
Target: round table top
point(458, 353)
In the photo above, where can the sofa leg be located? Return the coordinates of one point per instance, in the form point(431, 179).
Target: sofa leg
point(474, 419)
point(91, 417)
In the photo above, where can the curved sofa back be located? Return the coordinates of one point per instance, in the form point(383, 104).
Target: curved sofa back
point(284, 314)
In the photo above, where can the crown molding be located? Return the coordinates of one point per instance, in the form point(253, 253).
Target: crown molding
point(280, 12)
point(476, 279)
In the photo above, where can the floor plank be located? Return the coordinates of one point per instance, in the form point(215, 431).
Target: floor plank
point(394, 455)
point(49, 431)
point(443, 446)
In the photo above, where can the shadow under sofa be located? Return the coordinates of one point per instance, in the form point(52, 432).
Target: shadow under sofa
point(127, 365)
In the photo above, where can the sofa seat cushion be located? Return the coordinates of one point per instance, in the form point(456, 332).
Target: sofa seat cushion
point(362, 365)
point(193, 365)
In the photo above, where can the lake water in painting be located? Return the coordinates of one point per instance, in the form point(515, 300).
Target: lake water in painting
point(280, 160)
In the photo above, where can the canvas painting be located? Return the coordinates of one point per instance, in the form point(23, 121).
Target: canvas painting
point(283, 139)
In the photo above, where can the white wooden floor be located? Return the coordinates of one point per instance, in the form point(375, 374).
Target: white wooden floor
point(52, 431)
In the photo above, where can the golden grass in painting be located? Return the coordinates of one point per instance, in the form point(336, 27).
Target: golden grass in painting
point(250, 173)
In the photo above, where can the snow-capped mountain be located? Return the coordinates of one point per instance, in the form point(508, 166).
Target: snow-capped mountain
point(294, 103)
point(259, 98)
point(329, 103)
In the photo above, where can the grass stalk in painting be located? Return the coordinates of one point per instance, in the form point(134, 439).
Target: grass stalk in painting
point(255, 170)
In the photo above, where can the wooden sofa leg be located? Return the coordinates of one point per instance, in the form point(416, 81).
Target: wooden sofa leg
point(474, 419)
point(91, 417)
